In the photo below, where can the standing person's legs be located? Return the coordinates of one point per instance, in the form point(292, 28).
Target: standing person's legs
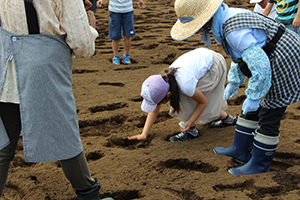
point(115, 47)
point(91, 13)
point(114, 34)
point(241, 147)
point(92, 18)
point(266, 139)
point(127, 44)
point(269, 121)
point(77, 172)
point(10, 115)
point(128, 32)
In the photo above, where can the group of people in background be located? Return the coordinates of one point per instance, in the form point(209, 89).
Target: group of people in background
point(121, 21)
point(261, 48)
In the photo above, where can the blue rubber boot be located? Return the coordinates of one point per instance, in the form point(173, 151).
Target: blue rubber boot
point(264, 148)
point(243, 140)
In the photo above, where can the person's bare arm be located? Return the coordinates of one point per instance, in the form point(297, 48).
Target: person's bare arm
point(268, 9)
point(99, 3)
point(296, 21)
point(151, 117)
point(141, 4)
point(202, 103)
point(87, 4)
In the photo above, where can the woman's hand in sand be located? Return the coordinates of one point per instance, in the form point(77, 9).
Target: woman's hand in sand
point(137, 137)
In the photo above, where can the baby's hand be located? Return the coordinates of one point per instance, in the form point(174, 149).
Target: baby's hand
point(137, 137)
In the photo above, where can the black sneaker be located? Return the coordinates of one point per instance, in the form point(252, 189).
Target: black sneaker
point(185, 136)
point(222, 124)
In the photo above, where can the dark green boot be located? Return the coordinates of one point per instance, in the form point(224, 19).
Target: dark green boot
point(91, 193)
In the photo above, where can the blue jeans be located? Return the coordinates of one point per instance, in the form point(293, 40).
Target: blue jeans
point(290, 26)
point(117, 21)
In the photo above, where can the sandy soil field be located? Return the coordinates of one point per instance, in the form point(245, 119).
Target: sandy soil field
point(108, 105)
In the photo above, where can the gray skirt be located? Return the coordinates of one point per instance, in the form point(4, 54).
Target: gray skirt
point(44, 78)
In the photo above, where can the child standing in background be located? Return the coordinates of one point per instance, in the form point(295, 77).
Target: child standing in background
point(121, 16)
point(87, 4)
point(92, 10)
point(260, 6)
point(287, 13)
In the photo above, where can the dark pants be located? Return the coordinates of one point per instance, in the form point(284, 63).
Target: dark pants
point(10, 116)
point(94, 6)
point(268, 120)
point(75, 169)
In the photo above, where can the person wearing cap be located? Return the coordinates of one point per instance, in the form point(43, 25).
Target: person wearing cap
point(194, 85)
point(264, 51)
point(260, 5)
point(287, 13)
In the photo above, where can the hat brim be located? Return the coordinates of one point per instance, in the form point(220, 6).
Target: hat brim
point(182, 31)
point(147, 107)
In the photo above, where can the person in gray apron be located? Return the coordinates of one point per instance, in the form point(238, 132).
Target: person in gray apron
point(46, 112)
point(262, 50)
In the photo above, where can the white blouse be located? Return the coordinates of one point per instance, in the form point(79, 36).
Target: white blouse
point(192, 66)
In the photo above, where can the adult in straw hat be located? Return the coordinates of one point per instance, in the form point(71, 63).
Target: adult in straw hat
point(264, 51)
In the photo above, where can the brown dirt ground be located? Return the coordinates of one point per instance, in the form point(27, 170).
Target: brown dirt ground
point(108, 102)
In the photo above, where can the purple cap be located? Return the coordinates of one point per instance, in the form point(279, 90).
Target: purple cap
point(154, 89)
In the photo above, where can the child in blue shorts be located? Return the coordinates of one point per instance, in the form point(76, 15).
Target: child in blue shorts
point(121, 16)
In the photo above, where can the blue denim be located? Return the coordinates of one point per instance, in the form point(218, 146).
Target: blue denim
point(290, 26)
point(117, 21)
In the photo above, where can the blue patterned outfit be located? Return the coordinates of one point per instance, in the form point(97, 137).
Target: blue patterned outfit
point(275, 79)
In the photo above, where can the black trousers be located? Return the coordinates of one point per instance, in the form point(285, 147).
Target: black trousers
point(75, 169)
point(10, 116)
point(268, 120)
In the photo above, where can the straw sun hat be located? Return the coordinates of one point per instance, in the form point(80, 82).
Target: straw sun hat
point(192, 15)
